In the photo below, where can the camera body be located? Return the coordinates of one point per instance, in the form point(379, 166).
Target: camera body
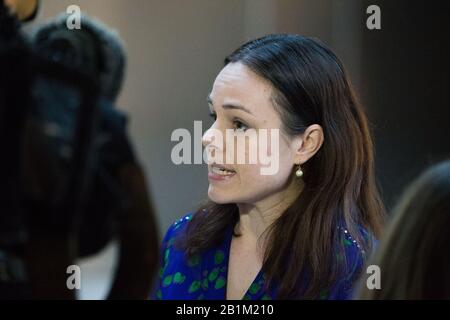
point(72, 182)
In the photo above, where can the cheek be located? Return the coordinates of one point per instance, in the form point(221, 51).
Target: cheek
point(276, 158)
point(257, 149)
point(252, 180)
point(250, 185)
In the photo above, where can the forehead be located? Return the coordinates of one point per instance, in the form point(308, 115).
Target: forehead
point(237, 82)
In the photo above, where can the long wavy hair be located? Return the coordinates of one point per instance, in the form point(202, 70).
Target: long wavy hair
point(311, 87)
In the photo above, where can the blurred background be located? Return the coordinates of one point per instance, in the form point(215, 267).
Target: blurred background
point(175, 49)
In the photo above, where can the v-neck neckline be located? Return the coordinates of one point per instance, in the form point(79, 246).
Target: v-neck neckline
point(256, 280)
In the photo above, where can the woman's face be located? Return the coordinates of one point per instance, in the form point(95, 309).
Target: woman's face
point(241, 101)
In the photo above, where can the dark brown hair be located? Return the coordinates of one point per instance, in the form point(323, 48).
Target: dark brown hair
point(414, 255)
point(311, 87)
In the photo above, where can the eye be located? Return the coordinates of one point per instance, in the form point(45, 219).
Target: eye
point(239, 125)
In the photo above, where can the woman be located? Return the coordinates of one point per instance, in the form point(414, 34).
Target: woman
point(304, 231)
point(414, 255)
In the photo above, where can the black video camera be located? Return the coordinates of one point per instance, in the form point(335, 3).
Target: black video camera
point(71, 181)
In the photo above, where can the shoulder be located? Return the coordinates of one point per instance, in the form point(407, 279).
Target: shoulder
point(178, 227)
point(355, 244)
point(172, 264)
point(352, 250)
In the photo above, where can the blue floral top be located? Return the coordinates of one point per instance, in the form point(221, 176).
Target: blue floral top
point(205, 276)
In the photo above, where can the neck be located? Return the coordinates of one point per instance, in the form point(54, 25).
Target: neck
point(255, 219)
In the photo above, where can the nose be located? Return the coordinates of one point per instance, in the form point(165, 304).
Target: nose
point(210, 137)
point(212, 140)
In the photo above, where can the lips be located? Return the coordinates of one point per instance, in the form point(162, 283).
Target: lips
point(220, 172)
point(218, 168)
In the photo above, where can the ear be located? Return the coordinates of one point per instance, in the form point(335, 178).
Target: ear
point(307, 144)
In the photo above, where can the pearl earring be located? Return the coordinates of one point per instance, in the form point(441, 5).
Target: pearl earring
point(299, 172)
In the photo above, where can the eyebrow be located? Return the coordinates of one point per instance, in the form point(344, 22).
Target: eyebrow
point(230, 106)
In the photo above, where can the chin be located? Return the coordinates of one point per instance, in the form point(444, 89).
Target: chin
point(220, 196)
